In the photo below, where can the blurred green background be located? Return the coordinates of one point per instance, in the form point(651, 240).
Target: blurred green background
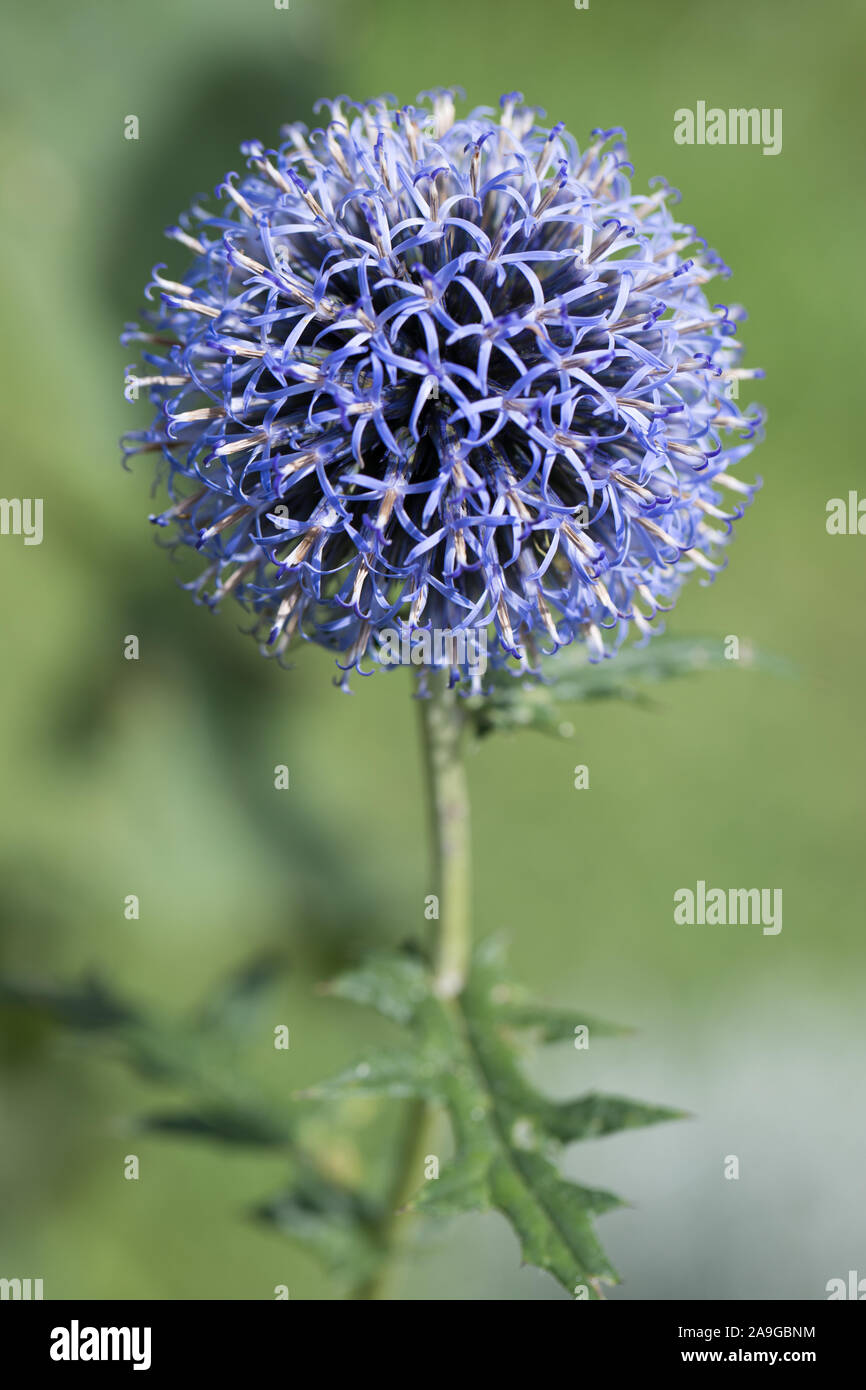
point(155, 777)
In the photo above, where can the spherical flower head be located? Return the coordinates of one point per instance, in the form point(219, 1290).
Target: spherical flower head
point(445, 380)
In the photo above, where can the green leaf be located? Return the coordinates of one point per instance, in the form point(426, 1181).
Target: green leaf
point(229, 1126)
point(235, 1004)
point(89, 1005)
point(507, 1134)
point(552, 1221)
point(198, 1052)
point(516, 1010)
point(339, 1226)
point(569, 677)
point(462, 1186)
point(393, 985)
point(396, 1073)
point(594, 1115)
point(199, 1058)
point(550, 1025)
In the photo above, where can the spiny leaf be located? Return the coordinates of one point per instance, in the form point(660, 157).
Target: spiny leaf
point(235, 1003)
point(341, 1227)
point(571, 677)
point(89, 1005)
point(198, 1056)
point(515, 1009)
point(190, 1051)
point(550, 1025)
point(229, 1126)
point(506, 1132)
point(594, 1115)
point(393, 985)
point(463, 1186)
point(396, 1073)
point(551, 1220)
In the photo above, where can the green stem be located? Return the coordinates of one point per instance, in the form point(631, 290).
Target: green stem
point(442, 728)
point(442, 723)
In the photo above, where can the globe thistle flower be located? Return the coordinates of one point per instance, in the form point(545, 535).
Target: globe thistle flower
point(431, 375)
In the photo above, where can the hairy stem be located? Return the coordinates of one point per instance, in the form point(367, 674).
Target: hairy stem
point(442, 728)
point(442, 721)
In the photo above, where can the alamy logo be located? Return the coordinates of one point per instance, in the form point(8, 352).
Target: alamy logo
point(855, 1287)
point(738, 126)
point(719, 907)
point(435, 647)
point(20, 1288)
point(22, 516)
point(846, 517)
point(76, 1343)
